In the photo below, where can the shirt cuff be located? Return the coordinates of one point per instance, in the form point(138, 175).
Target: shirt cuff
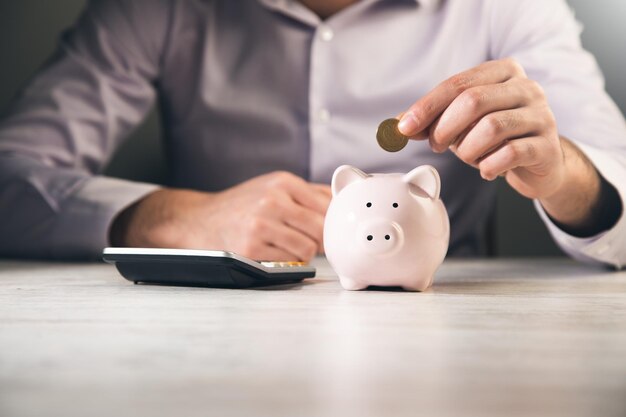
point(608, 247)
point(89, 212)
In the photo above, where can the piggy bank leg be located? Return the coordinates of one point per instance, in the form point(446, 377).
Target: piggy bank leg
point(430, 281)
point(419, 286)
point(351, 284)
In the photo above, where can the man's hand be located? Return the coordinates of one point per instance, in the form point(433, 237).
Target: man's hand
point(276, 216)
point(497, 120)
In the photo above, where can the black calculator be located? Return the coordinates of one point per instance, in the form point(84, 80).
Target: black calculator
point(202, 268)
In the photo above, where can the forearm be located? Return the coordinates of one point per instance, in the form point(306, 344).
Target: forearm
point(151, 221)
point(585, 204)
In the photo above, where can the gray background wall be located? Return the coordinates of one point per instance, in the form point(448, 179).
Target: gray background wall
point(29, 30)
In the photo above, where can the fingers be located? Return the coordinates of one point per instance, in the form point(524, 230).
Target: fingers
point(299, 205)
point(420, 135)
point(304, 194)
point(512, 154)
point(302, 219)
point(299, 208)
point(323, 189)
point(269, 239)
point(495, 128)
point(424, 112)
point(326, 191)
point(299, 245)
point(475, 103)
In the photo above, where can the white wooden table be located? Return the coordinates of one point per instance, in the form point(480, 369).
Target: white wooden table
point(491, 338)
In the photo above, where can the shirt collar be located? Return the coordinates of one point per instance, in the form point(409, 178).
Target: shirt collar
point(428, 4)
point(282, 4)
point(297, 11)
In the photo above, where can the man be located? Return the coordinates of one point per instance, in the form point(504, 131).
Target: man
point(263, 99)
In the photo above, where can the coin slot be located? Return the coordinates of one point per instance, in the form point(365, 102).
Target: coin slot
point(368, 205)
point(370, 237)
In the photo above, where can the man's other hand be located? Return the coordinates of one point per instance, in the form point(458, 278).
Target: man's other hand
point(277, 216)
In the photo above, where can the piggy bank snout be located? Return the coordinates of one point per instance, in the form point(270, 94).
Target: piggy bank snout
point(379, 236)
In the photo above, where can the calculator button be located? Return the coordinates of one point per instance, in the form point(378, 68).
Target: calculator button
point(283, 264)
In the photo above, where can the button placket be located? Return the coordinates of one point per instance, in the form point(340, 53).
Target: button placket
point(319, 113)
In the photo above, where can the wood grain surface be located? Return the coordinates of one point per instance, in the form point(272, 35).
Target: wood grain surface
point(491, 338)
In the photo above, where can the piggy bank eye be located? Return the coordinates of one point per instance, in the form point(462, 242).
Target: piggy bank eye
point(395, 205)
point(368, 205)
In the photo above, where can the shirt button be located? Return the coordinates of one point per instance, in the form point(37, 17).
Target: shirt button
point(323, 115)
point(326, 33)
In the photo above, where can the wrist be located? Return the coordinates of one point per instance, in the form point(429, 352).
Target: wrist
point(585, 204)
point(164, 218)
point(119, 226)
point(132, 226)
point(125, 222)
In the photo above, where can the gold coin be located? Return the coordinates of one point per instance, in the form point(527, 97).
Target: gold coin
point(389, 137)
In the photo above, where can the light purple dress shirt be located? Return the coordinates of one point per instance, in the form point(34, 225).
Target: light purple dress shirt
point(252, 86)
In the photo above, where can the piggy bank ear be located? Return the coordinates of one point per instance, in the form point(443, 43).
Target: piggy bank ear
point(345, 175)
point(426, 178)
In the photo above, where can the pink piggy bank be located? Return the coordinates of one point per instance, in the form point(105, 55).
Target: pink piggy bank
point(386, 229)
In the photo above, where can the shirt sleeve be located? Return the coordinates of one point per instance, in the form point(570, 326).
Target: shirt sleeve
point(544, 37)
point(62, 129)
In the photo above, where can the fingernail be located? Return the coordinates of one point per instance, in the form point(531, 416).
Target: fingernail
point(488, 177)
point(408, 124)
